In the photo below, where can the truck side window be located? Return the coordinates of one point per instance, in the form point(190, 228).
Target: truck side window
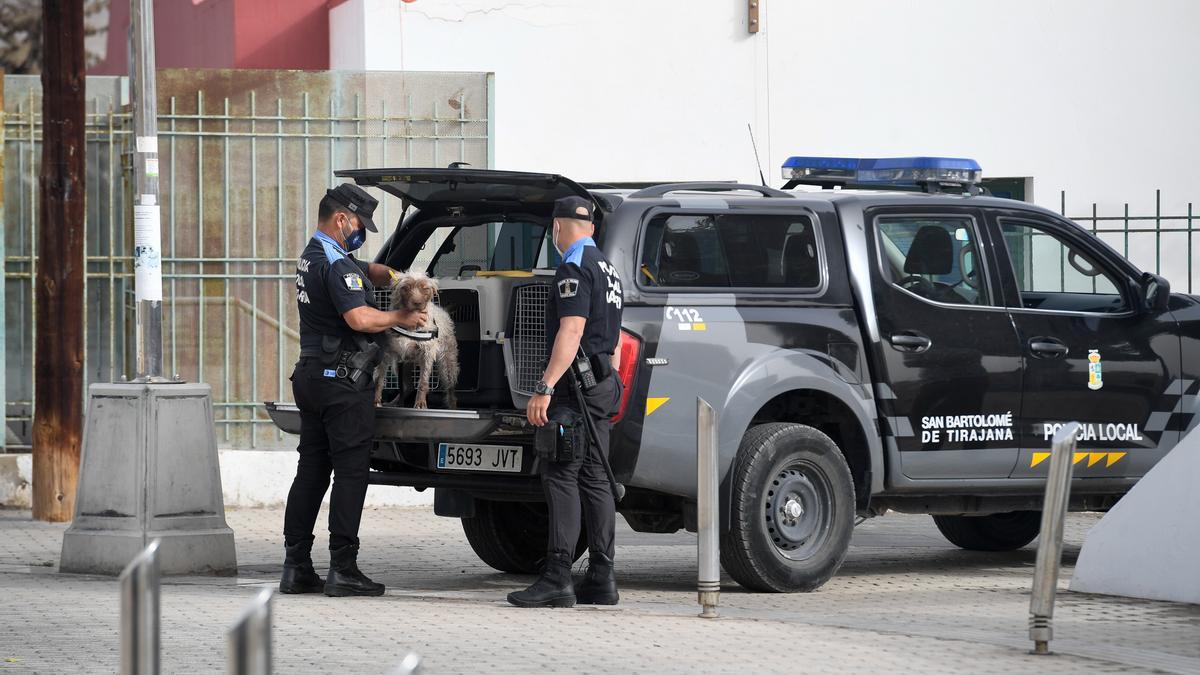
point(730, 251)
point(933, 257)
point(1055, 275)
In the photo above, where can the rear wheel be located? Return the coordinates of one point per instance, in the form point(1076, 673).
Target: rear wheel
point(793, 510)
point(511, 536)
point(994, 532)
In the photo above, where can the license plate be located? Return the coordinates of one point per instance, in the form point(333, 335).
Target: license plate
point(471, 457)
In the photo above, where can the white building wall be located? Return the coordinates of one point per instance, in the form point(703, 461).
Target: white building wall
point(1095, 97)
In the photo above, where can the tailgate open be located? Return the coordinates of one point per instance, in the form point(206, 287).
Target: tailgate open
point(445, 188)
point(407, 424)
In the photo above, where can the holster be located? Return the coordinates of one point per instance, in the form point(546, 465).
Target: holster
point(564, 438)
point(350, 364)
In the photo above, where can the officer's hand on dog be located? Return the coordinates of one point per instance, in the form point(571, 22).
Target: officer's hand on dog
point(412, 319)
point(535, 412)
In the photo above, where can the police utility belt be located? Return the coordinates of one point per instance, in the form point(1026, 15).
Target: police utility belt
point(348, 362)
point(564, 438)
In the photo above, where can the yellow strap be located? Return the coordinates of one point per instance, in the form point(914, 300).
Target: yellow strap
point(519, 274)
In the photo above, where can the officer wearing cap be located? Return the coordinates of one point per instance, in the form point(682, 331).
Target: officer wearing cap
point(333, 390)
point(584, 313)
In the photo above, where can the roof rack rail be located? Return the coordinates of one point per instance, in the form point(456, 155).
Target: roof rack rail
point(661, 190)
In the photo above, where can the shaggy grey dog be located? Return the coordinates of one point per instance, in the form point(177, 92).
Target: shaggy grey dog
point(415, 291)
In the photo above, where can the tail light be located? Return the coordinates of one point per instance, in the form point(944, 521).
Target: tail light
point(629, 348)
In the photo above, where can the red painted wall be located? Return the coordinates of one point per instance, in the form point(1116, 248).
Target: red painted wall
point(282, 34)
point(291, 34)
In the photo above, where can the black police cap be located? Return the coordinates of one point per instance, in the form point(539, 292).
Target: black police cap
point(357, 201)
point(573, 207)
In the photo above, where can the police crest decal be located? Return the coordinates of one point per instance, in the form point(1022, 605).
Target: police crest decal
point(568, 288)
point(1095, 375)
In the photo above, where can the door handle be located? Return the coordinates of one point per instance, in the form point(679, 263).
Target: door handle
point(910, 341)
point(1047, 348)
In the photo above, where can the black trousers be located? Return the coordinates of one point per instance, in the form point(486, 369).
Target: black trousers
point(337, 426)
point(568, 485)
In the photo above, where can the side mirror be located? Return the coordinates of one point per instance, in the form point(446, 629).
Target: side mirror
point(1156, 292)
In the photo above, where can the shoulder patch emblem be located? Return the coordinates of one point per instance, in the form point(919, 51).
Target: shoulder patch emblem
point(353, 281)
point(568, 288)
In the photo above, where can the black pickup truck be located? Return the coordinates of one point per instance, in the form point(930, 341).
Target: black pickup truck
point(901, 342)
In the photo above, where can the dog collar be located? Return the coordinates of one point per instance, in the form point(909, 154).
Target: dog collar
point(421, 335)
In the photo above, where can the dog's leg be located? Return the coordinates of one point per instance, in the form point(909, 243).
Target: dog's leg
point(428, 357)
point(380, 376)
point(448, 362)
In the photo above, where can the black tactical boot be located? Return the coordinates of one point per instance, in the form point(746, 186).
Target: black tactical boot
point(298, 573)
point(344, 578)
point(599, 584)
point(552, 589)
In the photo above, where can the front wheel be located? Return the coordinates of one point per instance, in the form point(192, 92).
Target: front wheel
point(511, 536)
point(994, 532)
point(793, 510)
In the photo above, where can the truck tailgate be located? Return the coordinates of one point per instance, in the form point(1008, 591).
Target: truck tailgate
point(408, 424)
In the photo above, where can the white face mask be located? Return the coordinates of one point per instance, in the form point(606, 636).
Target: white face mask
point(554, 239)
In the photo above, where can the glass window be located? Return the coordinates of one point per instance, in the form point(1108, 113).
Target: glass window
point(492, 247)
point(731, 251)
point(1053, 274)
point(933, 257)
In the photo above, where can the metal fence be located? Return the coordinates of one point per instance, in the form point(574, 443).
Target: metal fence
point(1162, 243)
point(244, 158)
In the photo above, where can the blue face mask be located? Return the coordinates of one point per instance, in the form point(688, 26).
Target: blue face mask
point(356, 239)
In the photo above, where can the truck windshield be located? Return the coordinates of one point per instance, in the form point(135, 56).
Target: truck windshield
point(488, 247)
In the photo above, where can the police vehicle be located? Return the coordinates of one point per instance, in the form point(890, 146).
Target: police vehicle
point(878, 335)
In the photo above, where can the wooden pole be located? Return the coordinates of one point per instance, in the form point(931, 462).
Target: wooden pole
point(58, 366)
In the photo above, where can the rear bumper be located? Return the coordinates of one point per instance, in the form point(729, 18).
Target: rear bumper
point(407, 438)
point(408, 425)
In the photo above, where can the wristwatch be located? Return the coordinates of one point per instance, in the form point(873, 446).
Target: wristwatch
point(542, 388)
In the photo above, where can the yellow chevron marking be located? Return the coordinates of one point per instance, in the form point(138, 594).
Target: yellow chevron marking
point(653, 404)
point(1093, 458)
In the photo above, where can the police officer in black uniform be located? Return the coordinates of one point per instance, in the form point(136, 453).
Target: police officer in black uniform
point(332, 385)
point(584, 312)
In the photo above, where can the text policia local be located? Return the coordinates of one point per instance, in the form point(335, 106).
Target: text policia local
point(1096, 432)
point(998, 427)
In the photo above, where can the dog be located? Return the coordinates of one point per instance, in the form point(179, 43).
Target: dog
point(415, 291)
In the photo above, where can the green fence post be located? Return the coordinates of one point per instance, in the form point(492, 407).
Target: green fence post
point(3, 285)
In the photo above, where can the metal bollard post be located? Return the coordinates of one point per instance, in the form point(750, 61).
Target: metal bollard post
point(250, 638)
point(1049, 553)
point(140, 613)
point(708, 584)
point(409, 665)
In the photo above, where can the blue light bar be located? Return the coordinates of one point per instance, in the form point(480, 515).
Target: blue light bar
point(800, 167)
point(886, 170)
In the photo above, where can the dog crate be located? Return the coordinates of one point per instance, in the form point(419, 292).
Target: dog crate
point(530, 352)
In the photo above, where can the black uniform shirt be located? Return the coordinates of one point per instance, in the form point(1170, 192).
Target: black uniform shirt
point(587, 285)
point(329, 282)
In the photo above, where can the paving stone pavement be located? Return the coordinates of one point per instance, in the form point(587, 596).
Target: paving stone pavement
point(904, 600)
